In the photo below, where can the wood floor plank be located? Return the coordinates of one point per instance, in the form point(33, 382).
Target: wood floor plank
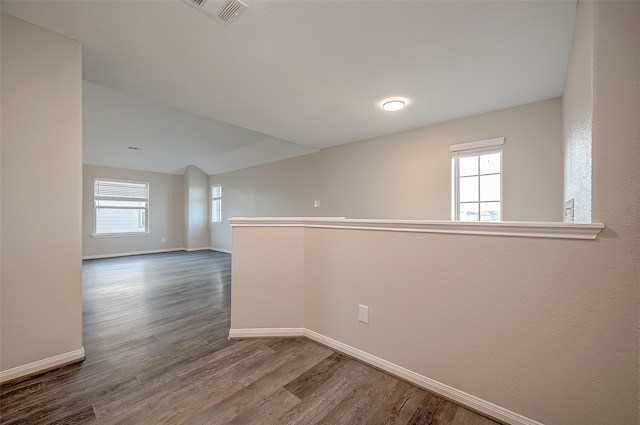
point(309, 381)
point(174, 406)
point(434, 410)
point(53, 408)
point(204, 376)
point(357, 407)
point(404, 407)
point(308, 355)
point(84, 416)
point(155, 335)
point(391, 406)
point(267, 410)
point(284, 356)
point(316, 404)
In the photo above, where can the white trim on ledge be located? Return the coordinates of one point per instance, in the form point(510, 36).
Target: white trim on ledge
point(500, 228)
point(42, 365)
point(458, 396)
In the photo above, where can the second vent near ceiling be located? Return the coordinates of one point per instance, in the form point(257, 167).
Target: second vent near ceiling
point(224, 11)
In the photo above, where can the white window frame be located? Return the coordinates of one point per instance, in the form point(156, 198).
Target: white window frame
point(216, 204)
point(478, 147)
point(143, 212)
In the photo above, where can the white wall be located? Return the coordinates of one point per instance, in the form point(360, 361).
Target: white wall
point(577, 115)
point(406, 175)
point(264, 256)
point(166, 214)
point(41, 293)
point(196, 205)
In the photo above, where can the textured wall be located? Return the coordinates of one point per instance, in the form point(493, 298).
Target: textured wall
point(577, 116)
point(616, 169)
point(278, 301)
point(196, 204)
point(41, 293)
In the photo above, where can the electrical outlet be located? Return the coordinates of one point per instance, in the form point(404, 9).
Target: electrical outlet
point(363, 313)
point(316, 204)
point(164, 239)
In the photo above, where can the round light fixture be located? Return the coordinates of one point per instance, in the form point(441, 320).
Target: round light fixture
point(395, 104)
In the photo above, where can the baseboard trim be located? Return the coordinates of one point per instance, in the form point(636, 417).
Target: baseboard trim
point(43, 365)
point(153, 251)
point(266, 333)
point(126, 254)
point(470, 401)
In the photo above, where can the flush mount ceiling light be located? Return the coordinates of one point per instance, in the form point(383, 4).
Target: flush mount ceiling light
point(394, 104)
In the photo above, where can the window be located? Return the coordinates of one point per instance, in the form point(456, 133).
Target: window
point(216, 203)
point(477, 180)
point(121, 207)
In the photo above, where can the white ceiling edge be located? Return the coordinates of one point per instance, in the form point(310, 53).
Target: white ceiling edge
point(169, 139)
point(263, 152)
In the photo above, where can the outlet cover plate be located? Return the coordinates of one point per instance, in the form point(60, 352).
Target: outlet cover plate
point(363, 313)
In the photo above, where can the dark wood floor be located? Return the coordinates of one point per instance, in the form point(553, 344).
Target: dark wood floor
point(155, 335)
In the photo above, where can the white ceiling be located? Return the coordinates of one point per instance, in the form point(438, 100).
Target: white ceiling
point(291, 77)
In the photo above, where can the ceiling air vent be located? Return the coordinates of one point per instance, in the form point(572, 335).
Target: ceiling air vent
point(225, 11)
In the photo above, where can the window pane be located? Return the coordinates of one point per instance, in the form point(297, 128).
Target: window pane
point(113, 220)
point(469, 189)
point(469, 211)
point(479, 186)
point(490, 211)
point(490, 163)
point(216, 211)
point(468, 165)
point(216, 191)
point(490, 187)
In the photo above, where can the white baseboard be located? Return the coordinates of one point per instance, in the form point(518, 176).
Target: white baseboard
point(266, 333)
point(125, 254)
point(226, 251)
point(42, 365)
point(204, 248)
point(470, 401)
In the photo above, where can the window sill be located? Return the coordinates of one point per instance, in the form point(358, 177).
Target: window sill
point(113, 235)
point(501, 228)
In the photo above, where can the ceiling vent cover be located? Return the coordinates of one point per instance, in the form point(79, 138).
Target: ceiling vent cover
point(224, 11)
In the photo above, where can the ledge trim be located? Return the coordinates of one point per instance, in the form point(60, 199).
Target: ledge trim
point(589, 231)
